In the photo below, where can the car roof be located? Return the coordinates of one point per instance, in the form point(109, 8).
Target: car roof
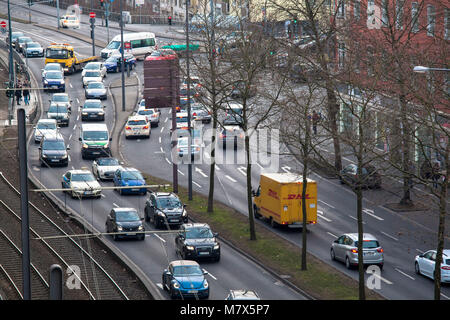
point(177, 263)
point(195, 225)
point(366, 236)
point(124, 209)
point(245, 294)
point(182, 114)
point(54, 136)
point(165, 194)
point(79, 171)
point(47, 120)
point(93, 100)
point(91, 82)
point(137, 117)
point(94, 126)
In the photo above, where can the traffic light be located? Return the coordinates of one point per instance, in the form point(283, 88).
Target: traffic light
point(170, 20)
point(102, 3)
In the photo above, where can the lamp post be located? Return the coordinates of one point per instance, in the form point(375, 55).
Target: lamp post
point(11, 68)
point(122, 63)
point(188, 104)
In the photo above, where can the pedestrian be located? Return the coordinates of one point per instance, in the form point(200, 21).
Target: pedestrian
point(315, 120)
point(435, 173)
point(26, 93)
point(18, 92)
point(287, 26)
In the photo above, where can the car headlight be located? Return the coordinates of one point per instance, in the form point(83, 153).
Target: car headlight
point(84, 113)
point(140, 228)
point(64, 156)
point(184, 214)
point(161, 214)
point(216, 247)
point(45, 81)
point(176, 285)
point(101, 113)
point(190, 247)
point(119, 228)
point(205, 284)
point(85, 146)
point(63, 82)
point(44, 156)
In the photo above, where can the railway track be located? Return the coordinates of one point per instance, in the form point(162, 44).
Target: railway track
point(73, 254)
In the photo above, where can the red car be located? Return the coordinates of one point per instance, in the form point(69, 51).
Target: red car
point(162, 54)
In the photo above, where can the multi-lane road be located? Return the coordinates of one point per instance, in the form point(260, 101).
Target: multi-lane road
point(401, 235)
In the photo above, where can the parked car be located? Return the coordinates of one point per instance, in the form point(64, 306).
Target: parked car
point(33, 49)
point(20, 43)
point(113, 63)
point(125, 223)
point(54, 80)
point(152, 115)
point(69, 21)
point(243, 295)
point(53, 66)
point(95, 90)
point(89, 76)
point(82, 184)
point(370, 177)
point(104, 168)
point(137, 126)
point(184, 278)
point(197, 241)
point(53, 150)
point(425, 264)
point(94, 66)
point(93, 110)
point(60, 113)
point(345, 248)
point(129, 177)
point(165, 209)
point(43, 127)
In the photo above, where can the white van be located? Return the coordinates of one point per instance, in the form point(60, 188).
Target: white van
point(141, 44)
point(94, 139)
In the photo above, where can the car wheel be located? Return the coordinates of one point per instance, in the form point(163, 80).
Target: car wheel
point(341, 180)
point(218, 258)
point(333, 255)
point(347, 263)
point(255, 212)
point(142, 237)
point(273, 224)
point(172, 294)
point(146, 215)
point(417, 268)
point(73, 195)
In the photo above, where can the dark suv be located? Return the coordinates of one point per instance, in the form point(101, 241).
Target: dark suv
point(196, 241)
point(165, 209)
point(53, 150)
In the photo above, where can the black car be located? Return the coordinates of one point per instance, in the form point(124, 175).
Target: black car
point(370, 177)
point(125, 223)
point(93, 110)
point(165, 209)
point(53, 151)
point(197, 241)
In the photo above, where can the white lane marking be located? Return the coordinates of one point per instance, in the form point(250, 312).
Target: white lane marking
point(406, 275)
point(115, 205)
point(103, 196)
point(166, 120)
point(355, 218)
point(217, 167)
point(210, 274)
point(75, 126)
point(160, 238)
point(243, 171)
point(201, 172)
point(196, 184)
point(322, 217)
point(327, 204)
point(161, 149)
point(68, 157)
point(230, 178)
point(445, 296)
point(78, 101)
point(162, 129)
point(73, 168)
point(332, 234)
point(160, 286)
point(70, 85)
point(387, 235)
point(224, 190)
point(370, 213)
point(260, 167)
point(206, 155)
point(159, 139)
point(420, 251)
point(78, 117)
point(381, 278)
point(180, 172)
point(168, 161)
point(286, 169)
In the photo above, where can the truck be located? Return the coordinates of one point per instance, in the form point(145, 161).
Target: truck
point(279, 200)
point(64, 54)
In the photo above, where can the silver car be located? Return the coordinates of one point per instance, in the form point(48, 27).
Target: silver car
point(199, 112)
point(95, 90)
point(61, 99)
point(345, 249)
point(425, 264)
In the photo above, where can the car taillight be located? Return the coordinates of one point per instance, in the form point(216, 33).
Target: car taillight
point(179, 149)
point(209, 112)
point(221, 135)
point(445, 267)
point(354, 250)
point(380, 250)
point(154, 115)
point(127, 128)
point(194, 114)
point(146, 127)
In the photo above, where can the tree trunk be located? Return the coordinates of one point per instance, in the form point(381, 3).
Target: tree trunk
point(361, 282)
point(251, 217)
point(333, 112)
point(406, 136)
point(212, 167)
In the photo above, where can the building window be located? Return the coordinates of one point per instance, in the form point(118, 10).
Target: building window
point(399, 14)
point(341, 9)
point(431, 20)
point(415, 17)
point(447, 24)
point(341, 55)
point(357, 9)
point(384, 13)
point(370, 62)
point(371, 11)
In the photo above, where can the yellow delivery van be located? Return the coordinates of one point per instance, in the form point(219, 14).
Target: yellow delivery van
point(279, 199)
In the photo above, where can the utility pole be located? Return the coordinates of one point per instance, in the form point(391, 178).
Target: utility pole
point(188, 104)
point(106, 20)
point(122, 63)
point(57, 13)
point(11, 69)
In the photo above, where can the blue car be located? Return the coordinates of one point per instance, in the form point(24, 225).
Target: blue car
point(124, 177)
point(185, 279)
point(54, 80)
point(112, 64)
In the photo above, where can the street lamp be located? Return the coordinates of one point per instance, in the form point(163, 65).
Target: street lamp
point(422, 69)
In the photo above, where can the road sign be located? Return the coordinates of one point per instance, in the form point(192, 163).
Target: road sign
point(3, 24)
point(91, 14)
point(127, 45)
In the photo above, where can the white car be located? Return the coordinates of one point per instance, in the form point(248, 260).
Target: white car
point(94, 66)
point(182, 120)
point(61, 99)
point(81, 183)
point(152, 114)
point(104, 167)
point(53, 66)
point(45, 127)
point(69, 21)
point(425, 263)
point(137, 126)
point(90, 76)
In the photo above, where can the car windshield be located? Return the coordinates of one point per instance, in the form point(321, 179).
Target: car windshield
point(369, 244)
point(60, 98)
point(95, 135)
point(136, 122)
point(187, 271)
point(199, 233)
point(54, 75)
point(96, 85)
point(92, 66)
point(33, 45)
point(72, 18)
point(145, 112)
point(92, 74)
point(108, 162)
point(168, 202)
point(132, 175)
point(48, 126)
point(182, 119)
point(113, 45)
point(112, 59)
point(92, 105)
point(25, 39)
point(56, 53)
point(125, 216)
point(83, 177)
point(53, 145)
point(57, 109)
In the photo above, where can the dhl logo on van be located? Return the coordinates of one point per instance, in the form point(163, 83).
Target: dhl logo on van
point(272, 194)
point(297, 196)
